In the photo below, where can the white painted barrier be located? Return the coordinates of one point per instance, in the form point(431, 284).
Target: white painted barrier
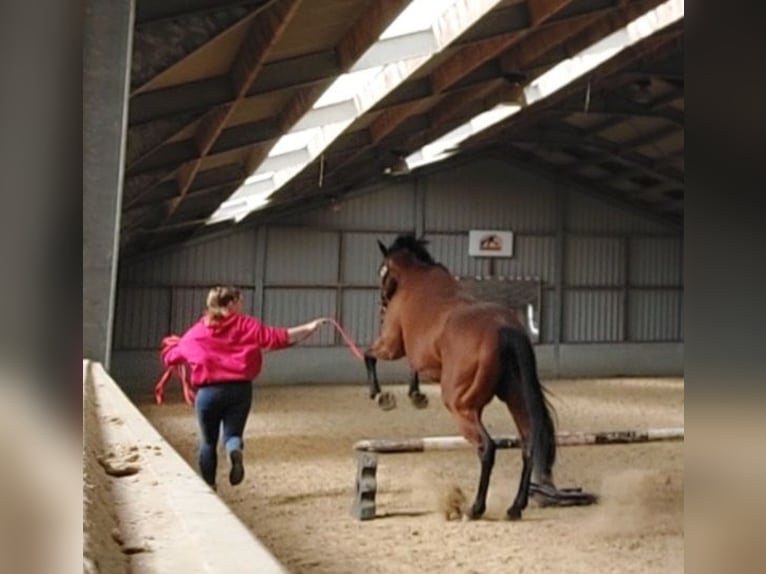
point(168, 518)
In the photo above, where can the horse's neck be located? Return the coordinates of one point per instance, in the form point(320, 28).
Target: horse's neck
point(431, 279)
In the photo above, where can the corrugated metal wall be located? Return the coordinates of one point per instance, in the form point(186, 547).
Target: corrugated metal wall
point(594, 261)
point(621, 277)
point(390, 208)
point(585, 214)
point(224, 259)
point(593, 316)
point(142, 317)
point(288, 306)
point(489, 195)
point(361, 257)
point(301, 257)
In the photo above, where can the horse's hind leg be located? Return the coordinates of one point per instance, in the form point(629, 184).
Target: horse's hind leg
point(521, 419)
point(473, 430)
point(522, 496)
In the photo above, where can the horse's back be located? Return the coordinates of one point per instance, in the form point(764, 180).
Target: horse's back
point(482, 316)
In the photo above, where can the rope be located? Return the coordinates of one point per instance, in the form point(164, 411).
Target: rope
point(349, 342)
point(186, 386)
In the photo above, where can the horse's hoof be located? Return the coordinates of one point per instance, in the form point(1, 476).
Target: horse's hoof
point(549, 495)
point(472, 513)
point(514, 513)
point(386, 401)
point(419, 400)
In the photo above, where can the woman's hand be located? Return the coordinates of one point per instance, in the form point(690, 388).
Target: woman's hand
point(316, 323)
point(301, 332)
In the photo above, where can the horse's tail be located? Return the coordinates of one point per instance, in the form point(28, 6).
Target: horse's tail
point(542, 433)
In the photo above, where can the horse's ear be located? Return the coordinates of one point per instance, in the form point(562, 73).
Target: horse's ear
point(383, 249)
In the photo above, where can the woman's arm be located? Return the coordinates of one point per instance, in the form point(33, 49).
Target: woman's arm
point(301, 332)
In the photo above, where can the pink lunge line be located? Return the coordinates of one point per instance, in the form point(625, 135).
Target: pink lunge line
point(351, 345)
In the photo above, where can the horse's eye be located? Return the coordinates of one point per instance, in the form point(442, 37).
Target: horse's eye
point(383, 270)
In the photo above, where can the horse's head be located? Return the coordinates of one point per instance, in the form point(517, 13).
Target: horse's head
point(404, 252)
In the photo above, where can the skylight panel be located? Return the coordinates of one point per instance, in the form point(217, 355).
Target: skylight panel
point(345, 86)
point(416, 17)
point(554, 79)
point(423, 29)
point(572, 68)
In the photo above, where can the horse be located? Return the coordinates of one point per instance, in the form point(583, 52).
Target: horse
point(387, 401)
point(477, 351)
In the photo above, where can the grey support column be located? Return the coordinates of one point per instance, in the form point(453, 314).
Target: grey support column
point(420, 206)
point(107, 47)
point(558, 295)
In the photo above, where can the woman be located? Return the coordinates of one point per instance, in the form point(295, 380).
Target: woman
point(223, 353)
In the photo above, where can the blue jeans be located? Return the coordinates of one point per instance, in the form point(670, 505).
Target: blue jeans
point(221, 404)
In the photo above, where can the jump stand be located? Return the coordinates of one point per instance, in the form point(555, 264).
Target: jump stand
point(366, 486)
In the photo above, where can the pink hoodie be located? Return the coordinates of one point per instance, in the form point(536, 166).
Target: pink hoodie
point(226, 351)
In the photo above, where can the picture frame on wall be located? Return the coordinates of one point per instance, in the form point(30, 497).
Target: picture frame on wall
point(490, 243)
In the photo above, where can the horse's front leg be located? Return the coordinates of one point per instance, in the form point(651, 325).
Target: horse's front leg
point(385, 349)
point(418, 399)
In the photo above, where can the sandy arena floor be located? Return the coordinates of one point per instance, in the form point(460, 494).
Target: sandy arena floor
point(300, 473)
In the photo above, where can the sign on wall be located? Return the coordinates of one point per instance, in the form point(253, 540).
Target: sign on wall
point(488, 243)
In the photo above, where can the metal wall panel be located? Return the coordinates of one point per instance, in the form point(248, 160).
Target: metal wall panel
point(301, 256)
point(594, 261)
point(360, 317)
point(382, 208)
point(590, 215)
point(222, 259)
point(489, 195)
point(362, 257)
point(188, 307)
point(142, 318)
point(289, 307)
point(452, 252)
point(656, 261)
point(533, 256)
point(593, 316)
point(655, 315)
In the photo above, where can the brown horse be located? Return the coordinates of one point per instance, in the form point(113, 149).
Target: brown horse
point(477, 351)
point(419, 400)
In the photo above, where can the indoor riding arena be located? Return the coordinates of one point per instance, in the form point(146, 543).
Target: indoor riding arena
point(289, 149)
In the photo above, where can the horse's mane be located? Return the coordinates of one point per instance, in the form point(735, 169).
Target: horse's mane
point(417, 247)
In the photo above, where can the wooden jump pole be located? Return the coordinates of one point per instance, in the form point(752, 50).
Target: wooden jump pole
point(367, 452)
point(386, 446)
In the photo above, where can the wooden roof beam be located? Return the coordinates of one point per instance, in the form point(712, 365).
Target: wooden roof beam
point(542, 10)
point(363, 34)
point(610, 105)
point(581, 41)
point(263, 35)
point(291, 73)
point(465, 60)
point(657, 106)
point(446, 75)
point(652, 137)
point(315, 68)
point(584, 185)
point(567, 136)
